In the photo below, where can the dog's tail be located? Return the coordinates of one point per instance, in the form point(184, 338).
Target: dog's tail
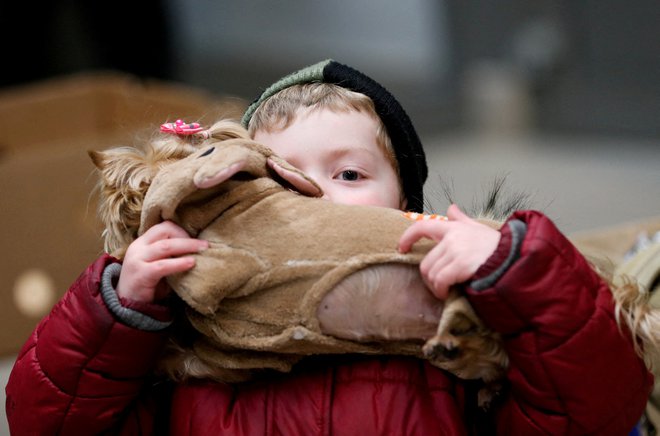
point(637, 304)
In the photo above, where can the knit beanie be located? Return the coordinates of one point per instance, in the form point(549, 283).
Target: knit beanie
point(407, 146)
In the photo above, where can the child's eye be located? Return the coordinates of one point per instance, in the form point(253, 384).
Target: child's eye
point(349, 175)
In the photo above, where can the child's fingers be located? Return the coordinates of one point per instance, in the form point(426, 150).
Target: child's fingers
point(138, 279)
point(437, 270)
point(165, 267)
point(174, 247)
point(434, 259)
point(432, 229)
point(441, 279)
point(164, 230)
point(159, 252)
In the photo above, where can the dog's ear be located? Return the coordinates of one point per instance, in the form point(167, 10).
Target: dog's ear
point(293, 176)
point(97, 158)
point(122, 167)
point(124, 177)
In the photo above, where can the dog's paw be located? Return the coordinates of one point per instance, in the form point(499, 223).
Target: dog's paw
point(464, 346)
point(454, 333)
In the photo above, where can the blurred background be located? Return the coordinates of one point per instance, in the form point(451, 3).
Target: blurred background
point(590, 67)
point(560, 97)
point(557, 78)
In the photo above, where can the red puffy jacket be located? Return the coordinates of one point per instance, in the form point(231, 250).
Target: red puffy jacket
point(572, 370)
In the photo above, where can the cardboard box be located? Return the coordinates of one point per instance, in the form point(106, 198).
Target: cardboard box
point(615, 241)
point(48, 224)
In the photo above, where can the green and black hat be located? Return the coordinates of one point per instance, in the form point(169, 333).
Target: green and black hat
point(407, 146)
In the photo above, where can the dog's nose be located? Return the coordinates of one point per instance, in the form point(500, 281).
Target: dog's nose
point(440, 351)
point(450, 353)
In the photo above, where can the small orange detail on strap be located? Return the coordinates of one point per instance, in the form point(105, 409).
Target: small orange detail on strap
point(414, 216)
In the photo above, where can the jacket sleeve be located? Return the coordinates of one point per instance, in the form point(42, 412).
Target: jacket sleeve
point(572, 369)
point(82, 369)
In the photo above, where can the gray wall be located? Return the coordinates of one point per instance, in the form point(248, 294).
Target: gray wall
point(407, 40)
point(240, 47)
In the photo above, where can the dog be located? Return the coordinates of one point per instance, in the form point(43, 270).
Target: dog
point(262, 298)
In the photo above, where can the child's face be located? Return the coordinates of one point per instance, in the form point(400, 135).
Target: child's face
point(339, 151)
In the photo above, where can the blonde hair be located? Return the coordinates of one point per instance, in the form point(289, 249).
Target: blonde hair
point(279, 111)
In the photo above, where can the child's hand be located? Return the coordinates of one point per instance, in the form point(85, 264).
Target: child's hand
point(463, 246)
point(153, 256)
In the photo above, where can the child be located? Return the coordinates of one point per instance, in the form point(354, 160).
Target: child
point(86, 368)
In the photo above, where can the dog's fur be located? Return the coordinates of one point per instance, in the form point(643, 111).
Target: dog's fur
point(461, 343)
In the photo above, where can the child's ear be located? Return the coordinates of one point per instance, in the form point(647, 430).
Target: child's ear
point(296, 178)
